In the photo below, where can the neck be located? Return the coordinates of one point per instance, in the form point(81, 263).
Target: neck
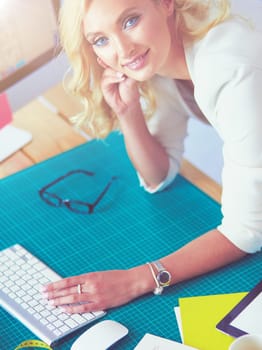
point(176, 66)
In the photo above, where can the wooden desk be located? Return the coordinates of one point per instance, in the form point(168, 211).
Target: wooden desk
point(47, 118)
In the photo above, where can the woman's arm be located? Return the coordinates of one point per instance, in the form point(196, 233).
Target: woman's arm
point(106, 289)
point(204, 254)
point(155, 147)
point(146, 153)
point(148, 156)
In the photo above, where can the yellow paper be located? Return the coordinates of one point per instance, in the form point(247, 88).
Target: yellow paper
point(199, 317)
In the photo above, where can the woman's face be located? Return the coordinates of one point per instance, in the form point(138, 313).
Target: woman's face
point(131, 36)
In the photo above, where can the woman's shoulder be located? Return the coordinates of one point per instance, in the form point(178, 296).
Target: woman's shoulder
point(229, 52)
point(236, 40)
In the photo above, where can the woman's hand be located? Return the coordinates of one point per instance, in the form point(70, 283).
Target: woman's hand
point(120, 92)
point(95, 291)
point(148, 156)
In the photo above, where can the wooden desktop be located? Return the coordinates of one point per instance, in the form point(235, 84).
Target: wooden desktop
point(47, 118)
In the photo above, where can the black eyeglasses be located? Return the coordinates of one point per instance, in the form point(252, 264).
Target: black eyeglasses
point(76, 206)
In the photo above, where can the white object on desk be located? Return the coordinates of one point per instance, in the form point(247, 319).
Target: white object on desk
point(101, 336)
point(250, 318)
point(153, 342)
point(179, 321)
point(11, 138)
point(247, 342)
point(246, 316)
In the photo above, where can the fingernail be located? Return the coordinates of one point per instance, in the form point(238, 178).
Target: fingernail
point(51, 302)
point(120, 75)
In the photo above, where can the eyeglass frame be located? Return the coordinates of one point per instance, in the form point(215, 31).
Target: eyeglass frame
point(67, 202)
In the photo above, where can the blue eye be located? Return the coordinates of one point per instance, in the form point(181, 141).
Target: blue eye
point(100, 42)
point(131, 22)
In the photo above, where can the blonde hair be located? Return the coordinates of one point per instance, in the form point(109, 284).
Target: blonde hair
point(194, 18)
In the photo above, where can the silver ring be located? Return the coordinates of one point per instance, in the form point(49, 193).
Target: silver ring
point(79, 289)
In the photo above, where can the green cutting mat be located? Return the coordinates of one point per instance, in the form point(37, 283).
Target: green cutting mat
point(129, 227)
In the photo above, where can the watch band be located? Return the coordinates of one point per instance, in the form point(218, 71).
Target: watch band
point(158, 290)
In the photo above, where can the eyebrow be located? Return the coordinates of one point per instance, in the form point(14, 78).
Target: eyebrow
point(119, 20)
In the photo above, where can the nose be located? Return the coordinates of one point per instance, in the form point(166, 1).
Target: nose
point(124, 47)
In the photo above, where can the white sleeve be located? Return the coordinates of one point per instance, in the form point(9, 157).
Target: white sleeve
point(226, 68)
point(233, 99)
point(169, 126)
point(239, 115)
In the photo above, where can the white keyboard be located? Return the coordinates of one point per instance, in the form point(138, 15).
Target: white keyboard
point(21, 275)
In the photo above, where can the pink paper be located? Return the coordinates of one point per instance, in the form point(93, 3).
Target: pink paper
point(5, 111)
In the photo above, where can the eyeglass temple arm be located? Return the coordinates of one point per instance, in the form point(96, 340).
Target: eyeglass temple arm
point(89, 173)
point(104, 191)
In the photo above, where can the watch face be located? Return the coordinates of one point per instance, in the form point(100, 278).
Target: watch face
point(164, 277)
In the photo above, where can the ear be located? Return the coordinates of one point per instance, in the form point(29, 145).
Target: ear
point(169, 6)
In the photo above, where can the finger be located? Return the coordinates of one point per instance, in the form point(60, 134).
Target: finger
point(81, 308)
point(121, 76)
point(63, 283)
point(60, 292)
point(112, 80)
point(69, 300)
point(117, 74)
point(112, 76)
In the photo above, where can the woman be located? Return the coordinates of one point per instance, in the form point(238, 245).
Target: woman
point(144, 66)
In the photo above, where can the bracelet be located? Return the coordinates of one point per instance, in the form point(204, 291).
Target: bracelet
point(158, 290)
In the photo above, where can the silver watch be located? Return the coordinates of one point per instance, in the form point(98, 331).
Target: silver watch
point(163, 277)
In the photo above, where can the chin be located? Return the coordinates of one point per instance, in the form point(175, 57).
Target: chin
point(142, 75)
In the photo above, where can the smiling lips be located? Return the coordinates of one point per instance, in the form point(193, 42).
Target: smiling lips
point(137, 63)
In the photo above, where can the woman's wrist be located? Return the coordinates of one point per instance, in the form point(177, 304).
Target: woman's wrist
point(142, 280)
point(132, 118)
